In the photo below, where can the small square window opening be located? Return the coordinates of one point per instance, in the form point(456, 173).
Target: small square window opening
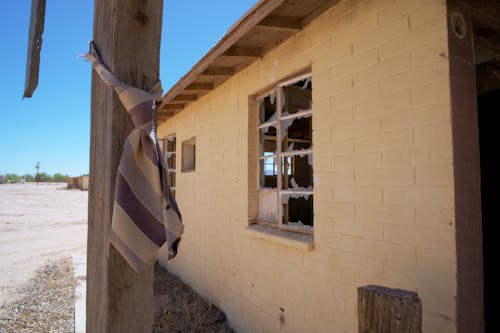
point(189, 155)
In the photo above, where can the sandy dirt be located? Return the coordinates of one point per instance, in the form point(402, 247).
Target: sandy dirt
point(38, 223)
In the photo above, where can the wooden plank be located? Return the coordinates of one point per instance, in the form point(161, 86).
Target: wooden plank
point(468, 232)
point(490, 43)
point(127, 34)
point(256, 14)
point(200, 86)
point(165, 113)
point(482, 12)
point(321, 8)
point(386, 310)
point(37, 21)
point(172, 107)
point(185, 98)
point(218, 71)
point(281, 22)
point(245, 52)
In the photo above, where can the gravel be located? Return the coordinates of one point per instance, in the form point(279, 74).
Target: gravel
point(178, 309)
point(45, 303)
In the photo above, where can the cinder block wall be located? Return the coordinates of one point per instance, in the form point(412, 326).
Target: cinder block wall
point(383, 170)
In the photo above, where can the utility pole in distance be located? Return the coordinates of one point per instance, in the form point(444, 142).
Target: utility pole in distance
point(37, 176)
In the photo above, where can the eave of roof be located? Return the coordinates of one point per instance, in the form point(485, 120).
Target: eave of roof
point(266, 25)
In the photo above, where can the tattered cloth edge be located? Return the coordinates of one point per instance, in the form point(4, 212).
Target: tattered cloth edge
point(145, 214)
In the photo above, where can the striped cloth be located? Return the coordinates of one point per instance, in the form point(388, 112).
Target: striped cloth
point(145, 214)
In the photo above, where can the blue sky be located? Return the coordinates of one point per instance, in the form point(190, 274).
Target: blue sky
point(53, 127)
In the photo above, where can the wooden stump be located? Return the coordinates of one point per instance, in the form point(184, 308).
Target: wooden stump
point(386, 310)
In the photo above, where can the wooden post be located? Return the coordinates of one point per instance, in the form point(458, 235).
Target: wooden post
point(37, 22)
point(127, 34)
point(385, 310)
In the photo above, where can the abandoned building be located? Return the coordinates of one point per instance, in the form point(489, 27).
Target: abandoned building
point(319, 147)
point(81, 182)
point(329, 145)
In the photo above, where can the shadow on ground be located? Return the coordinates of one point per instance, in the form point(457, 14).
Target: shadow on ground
point(179, 309)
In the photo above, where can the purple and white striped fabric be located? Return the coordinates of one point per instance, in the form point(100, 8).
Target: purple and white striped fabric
point(145, 214)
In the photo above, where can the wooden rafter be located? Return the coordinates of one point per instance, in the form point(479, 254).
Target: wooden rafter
point(185, 98)
point(200, 86)
point(218, 71)
point(282, 22)
point(237, 49)
point(488, 42)
point(247, 52)
point(172, 107)
point(163, 114)
point(256, 14)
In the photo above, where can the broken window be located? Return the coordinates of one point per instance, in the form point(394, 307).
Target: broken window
point(189, 155)
point(285, 193)
point(170, 147)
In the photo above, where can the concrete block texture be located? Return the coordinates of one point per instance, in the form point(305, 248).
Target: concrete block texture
point(383, 175)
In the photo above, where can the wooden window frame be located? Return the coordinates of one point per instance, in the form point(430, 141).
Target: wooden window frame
point(280, 191)
point(168, 152)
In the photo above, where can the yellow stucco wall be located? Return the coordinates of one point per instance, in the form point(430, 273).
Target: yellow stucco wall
point(383, 191)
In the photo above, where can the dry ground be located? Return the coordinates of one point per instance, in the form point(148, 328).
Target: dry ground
point(41, 226)
point(45, 303)
point(38, 223)
point(178, 309)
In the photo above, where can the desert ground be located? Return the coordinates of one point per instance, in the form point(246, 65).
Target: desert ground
point(38, 223)
point(41, 228)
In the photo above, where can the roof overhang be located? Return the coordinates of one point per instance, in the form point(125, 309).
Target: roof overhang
point(265, 26)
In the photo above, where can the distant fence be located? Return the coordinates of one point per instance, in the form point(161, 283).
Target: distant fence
point(81, 182)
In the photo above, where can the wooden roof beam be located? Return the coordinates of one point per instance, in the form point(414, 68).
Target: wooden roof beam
point(200, 86)
point(165, 114)
point(185, 98)
point(282, 23)
point(489, 43)
point(256, 14)
point(218, 71)
point(169, 107)
point(245, 52)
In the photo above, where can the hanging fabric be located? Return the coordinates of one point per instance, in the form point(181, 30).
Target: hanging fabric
point(145, 213)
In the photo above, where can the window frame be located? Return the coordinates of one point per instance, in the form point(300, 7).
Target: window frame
point(167, 152)
point(185, 145)
point(279, 154)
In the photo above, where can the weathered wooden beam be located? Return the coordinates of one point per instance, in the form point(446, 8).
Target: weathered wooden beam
point(487, 77)
point(282, 23)
point(172, 107)
point(258, 12)
point(185, 98)
point(165, 114)
point(200, 86)
point(469, 289)
point(481, 12)
point(218, 71)
point(490, 43)
point(37, 21)
point(386, 310)
point(127, 34)
point(245, 52)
